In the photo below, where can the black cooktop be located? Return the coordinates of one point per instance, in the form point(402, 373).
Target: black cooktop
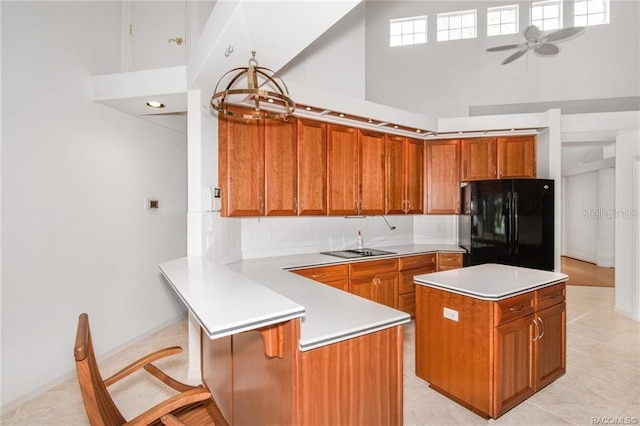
point(357, 253)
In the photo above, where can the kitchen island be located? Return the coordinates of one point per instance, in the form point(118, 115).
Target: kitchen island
point(279, 348)
point(490, 336)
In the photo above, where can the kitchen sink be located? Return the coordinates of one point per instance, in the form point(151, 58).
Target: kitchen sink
point(357, 253)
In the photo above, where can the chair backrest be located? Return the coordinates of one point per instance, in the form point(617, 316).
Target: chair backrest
point(101, 409)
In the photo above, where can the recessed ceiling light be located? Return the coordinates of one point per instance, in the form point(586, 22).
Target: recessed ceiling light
point(418, 131)
point(369, 121)
point(270, 100)
point(155, 104)
point(341, 115)
point(395, 126)
point(308, 108)
point(460, 132)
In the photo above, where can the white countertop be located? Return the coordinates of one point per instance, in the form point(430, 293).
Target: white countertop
point(248, 294)
point(490, 281)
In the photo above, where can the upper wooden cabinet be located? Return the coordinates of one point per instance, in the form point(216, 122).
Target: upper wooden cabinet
point(443, 176)
point(280, 167)
point(479, 159)
point(257, 166)
point(312, 167)
point(355, 177)
point(517, 157)
point(241, 172)
point(404, 175)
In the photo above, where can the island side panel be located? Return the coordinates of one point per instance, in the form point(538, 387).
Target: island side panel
point(217, 375)
point(455, 356)
point(357, 381)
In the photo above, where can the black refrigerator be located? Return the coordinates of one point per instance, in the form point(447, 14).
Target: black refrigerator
point(508, 221)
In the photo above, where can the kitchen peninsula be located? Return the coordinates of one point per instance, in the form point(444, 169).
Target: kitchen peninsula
point(280, 348)
point(490, 336)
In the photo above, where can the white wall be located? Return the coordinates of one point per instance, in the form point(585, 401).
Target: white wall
point(442, 79)
point(75, 175)
point(626, 215)
point(581, 217)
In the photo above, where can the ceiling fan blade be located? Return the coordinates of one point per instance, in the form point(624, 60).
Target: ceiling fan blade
point(514, 56)
point(547, 49)
point(562, 34)
point(505, 47)
point(532, 33)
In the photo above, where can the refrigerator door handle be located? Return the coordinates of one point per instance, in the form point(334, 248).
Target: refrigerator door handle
point(509, 223)
point(515, 221)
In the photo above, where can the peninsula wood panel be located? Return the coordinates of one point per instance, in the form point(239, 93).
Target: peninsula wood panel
point(280, 159)
point(217, 372)
point(355, 382)
point(312, 167)
point(342, 166)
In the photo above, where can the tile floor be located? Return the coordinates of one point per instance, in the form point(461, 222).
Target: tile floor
point(601, 384)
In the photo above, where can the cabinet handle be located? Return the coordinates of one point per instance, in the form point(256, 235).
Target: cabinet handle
point(553, 296)
point(295, 204)
point(542, 325)
point(318, 275)
point(517, 309)
point(261, 204)
point(537, 336)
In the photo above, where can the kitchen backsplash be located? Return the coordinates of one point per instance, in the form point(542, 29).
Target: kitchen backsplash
point(273, 236)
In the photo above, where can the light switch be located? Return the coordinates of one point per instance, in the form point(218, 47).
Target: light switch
point(451, 314)
point(151, 204)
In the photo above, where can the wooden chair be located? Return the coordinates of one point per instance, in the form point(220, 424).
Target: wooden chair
point(193, 405)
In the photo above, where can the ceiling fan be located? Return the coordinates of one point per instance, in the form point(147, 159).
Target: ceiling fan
point(536, 41)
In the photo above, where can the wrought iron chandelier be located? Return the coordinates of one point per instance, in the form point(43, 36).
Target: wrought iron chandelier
point(266, 93)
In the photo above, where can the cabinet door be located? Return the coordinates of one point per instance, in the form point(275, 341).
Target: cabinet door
point(395, 175)
point(312, 167)
point(551, 344)
point(280, 167)
point(241, 166)
point(342, 179)
point(414, 176)
point(448, 261)
point(362, 286)
point(513, 365)
point(385, 289)
point(517, 157)
point(478, 159)
point(443, 177)
point(372, 173)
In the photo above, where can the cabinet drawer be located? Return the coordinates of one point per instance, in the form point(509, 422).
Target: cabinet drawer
point(325, 274)
point(360, 269)
point(449, 259)
point(406, 278)
point(514, 307)
point(419, 261)
point(549, 296)
point(407, 303)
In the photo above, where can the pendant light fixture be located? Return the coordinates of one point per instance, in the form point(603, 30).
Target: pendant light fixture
point(266, 95)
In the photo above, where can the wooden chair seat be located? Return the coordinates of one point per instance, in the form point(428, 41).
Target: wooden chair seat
point(192, 405)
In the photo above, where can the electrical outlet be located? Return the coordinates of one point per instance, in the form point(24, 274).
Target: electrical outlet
point(450, 314)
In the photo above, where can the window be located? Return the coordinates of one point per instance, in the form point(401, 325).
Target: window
point(502, 20)
point(456, 25)
point(590, 12)
point(547, 15)
point(406, 31)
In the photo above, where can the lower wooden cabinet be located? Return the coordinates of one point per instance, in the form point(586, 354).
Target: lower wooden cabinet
point(376, 280)
point(411, 266)
point(448, 261)
point(494, 354)
point(334, 275)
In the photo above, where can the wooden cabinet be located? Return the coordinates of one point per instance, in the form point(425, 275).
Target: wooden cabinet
point(257, 167)
point(490, 355)
point(479, 159)
point(448, 261)
point(375, 280)
point(443, 177)
point(312, 167)
point(241, 169)
point(409, 267)
point(334, 275)
point(355, 171)
point(404, 181)
point(372, 173)
point(280, 167)
point(516, 157)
